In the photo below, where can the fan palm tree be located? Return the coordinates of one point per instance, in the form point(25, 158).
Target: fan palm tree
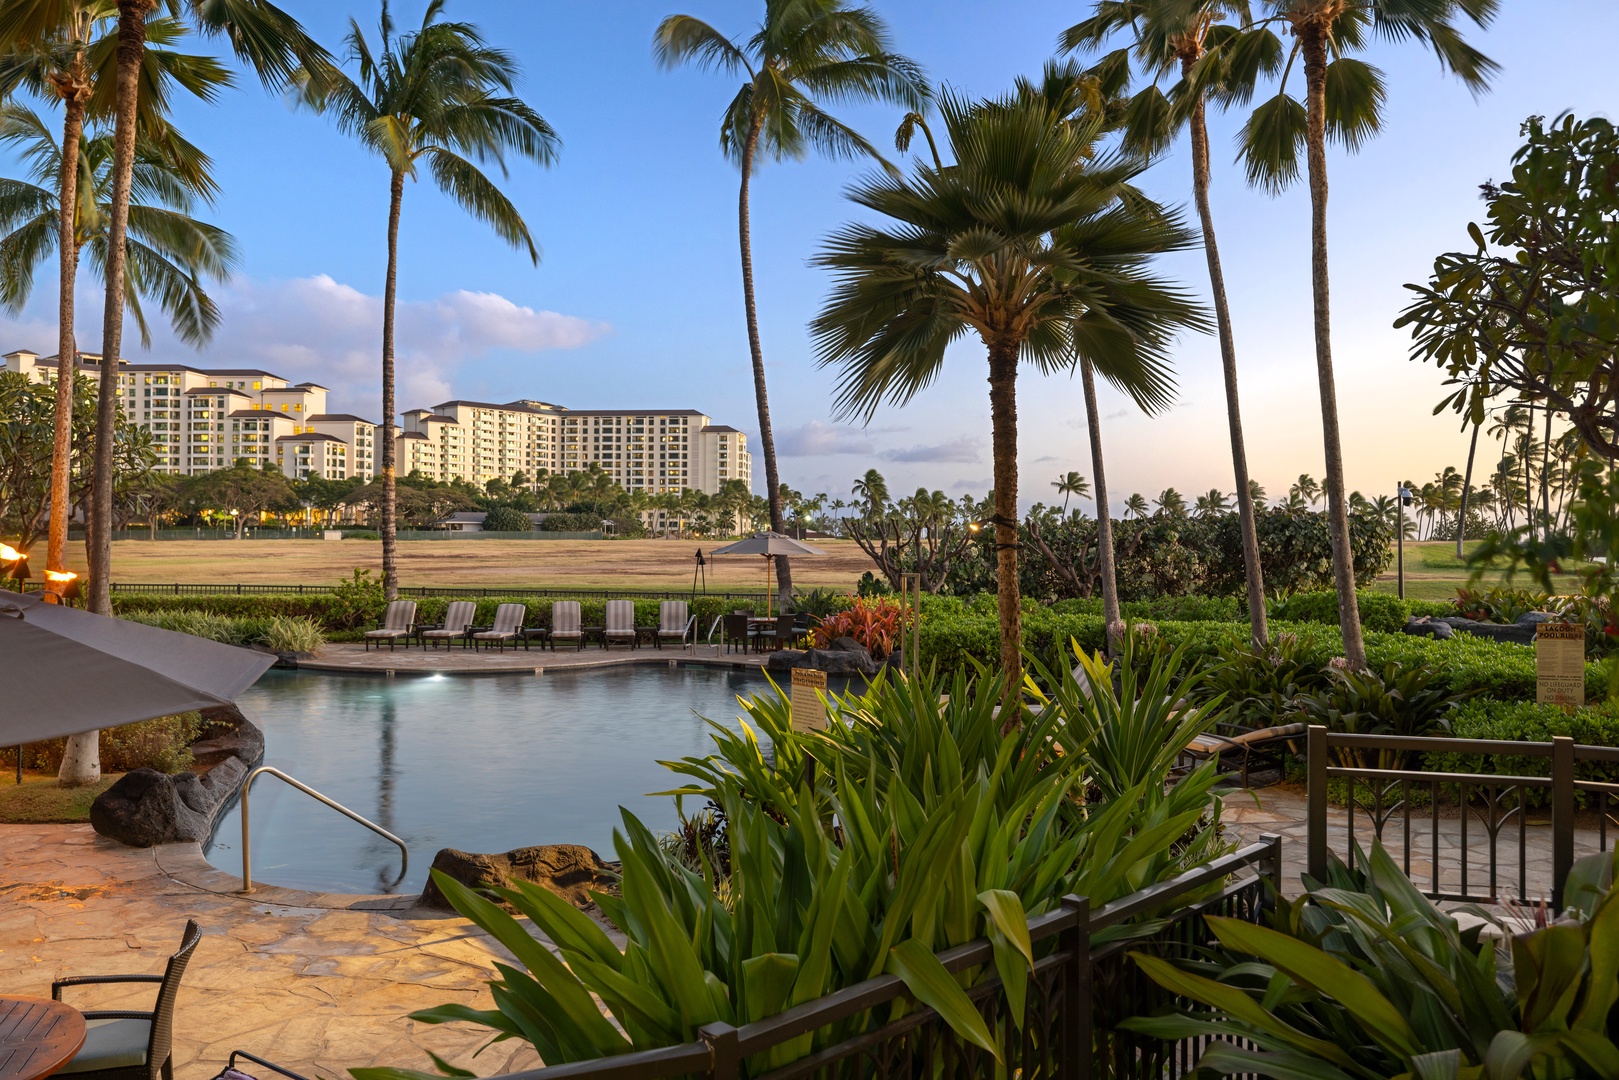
point(802, 54)
point(262, 35)
point(1030, 240)
point(1071, 484)
point(170, 253)
point(1163, 37)
point(74, 62)
point(439, 98)
point(1136, 506)
point(1343, 100)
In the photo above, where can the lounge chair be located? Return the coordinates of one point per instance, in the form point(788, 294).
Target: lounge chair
point(1230, 743)
point(565, 623)
point(620, 628)
point(397, 623)
point(126, 1044)
point(738, 634)
point(457, 625)
point(673, 622)
point(508, 627)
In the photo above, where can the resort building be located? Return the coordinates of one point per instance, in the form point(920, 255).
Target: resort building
point(204, 419)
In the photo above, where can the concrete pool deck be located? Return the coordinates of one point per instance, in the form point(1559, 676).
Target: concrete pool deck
point(520, 661)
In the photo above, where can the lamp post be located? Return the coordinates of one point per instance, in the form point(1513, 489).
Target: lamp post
point(1402, 499)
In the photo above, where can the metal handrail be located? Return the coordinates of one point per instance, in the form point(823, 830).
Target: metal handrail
point(247, 861)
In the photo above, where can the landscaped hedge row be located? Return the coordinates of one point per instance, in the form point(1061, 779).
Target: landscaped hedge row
point(1526, 721)
point(1378, 611)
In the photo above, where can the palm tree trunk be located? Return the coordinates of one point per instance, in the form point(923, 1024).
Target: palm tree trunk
point(1528, 477)
point(1104, 519)
point(390, 539)
point(1343, 560)
point(1258, 627)
point(767, 438)
point(1003, 358)
point(74, 90)
point(1467, 484)
point(1545, 474)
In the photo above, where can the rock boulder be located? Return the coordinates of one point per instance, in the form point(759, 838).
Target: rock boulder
point(228, 734)
point(1521, 632)
point(147, 807)
point(833, 660)
point(569, 870)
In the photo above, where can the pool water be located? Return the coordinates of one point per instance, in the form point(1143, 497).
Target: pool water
point(485, 764)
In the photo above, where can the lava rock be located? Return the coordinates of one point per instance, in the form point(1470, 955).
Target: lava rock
point(228, 734)
point(569, 870)
point(1517, 633)
point(1426, 626)
point(833, 661)
point(847, 644)
point(147, 807)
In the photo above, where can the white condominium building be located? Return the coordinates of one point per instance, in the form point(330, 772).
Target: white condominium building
point(205, 419)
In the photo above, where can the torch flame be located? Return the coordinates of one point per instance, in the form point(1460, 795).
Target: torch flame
point(11, 554)
point(60, 575)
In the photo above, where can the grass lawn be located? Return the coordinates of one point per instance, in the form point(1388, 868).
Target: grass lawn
point(585, 564)
point(38, 800)
point(1433, 572)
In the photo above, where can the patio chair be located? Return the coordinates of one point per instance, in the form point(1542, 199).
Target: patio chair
point(457, 625)
point(126, 1044)
point(1230, 743)
point(565, 623)
point(738, 634)
point(673, 622)
point(620, 624)
point(508, 626)
point(233, 1073)
point(397, 623)
point(785, 630)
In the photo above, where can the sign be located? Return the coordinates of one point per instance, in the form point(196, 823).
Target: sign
point(1560, 663)
point(809, 708)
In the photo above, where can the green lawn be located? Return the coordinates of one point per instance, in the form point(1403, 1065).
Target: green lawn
point(38, 800)
point(1433, 572)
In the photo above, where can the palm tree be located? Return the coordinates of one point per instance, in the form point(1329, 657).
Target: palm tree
point(803, 53)
point(872, 490)
point(270, 41)
point(1171, 503)
point(74, 62)
point(1165, 35)
point(1343, 99)
point(1071, 484)
point(170, 253)
point(442, 98)
point(1211, 503)
point(1136, 506)
point(1030, 240)
point(1256, 492)
point(1306, 488)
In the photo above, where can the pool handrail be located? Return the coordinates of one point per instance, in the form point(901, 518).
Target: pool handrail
point(247, 861)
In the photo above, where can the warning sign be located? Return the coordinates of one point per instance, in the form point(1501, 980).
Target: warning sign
point(1560, 663)
point(809, 708)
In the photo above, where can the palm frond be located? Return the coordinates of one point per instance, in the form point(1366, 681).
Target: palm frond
point(1270, 142)
point(461, 180)
point(682, 39)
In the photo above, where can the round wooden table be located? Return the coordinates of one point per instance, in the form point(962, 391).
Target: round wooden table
point(37, 1037)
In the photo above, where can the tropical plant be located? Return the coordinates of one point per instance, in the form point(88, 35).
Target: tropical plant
point(295, 634)
point(1071, 483)
point(1363, 978)
point(440, 97)
point(872, 490)
point(801, 55)
point(1401, 701)
point(1343, 100)
point(1136, 506)
point(507, 519)
point(1163, 36)
point(874, 622)
point(1032, 240)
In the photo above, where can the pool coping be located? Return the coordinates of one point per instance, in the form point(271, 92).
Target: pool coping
point(377, 662)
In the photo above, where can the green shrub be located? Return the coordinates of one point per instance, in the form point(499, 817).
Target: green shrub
point(361, 534)
point(357, 601)
point(293, 633)
point(1526, 721)
point(1378, 611)
point(507, 519)
point(163, 744)
point(204, 624)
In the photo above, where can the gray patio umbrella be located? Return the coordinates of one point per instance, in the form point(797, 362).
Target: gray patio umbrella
point(768, 544)
point(68, 671)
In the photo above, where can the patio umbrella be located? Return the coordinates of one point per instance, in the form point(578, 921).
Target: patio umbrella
point(67, 671)
point(768, 544)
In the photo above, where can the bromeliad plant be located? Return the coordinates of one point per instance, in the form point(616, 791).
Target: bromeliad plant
point(1363, 978)
point(875, 622)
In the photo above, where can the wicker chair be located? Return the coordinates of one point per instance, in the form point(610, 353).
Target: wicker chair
point(123, 1044)
point(737, 633)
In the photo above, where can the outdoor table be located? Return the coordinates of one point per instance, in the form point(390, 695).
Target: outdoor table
point(593, 633)
point(37, 1037)
point(646, 634)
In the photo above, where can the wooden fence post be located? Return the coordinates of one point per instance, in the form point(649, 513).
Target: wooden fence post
point(1271, 869)
point(1315, 849)
point(1078, 1041)
point(1562, 816)
point(725, 1052)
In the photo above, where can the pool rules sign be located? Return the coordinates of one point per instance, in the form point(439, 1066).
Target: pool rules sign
point(1560, 663)
point(809, 708)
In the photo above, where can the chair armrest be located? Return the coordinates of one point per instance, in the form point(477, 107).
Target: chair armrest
point(117, 1014)
point(86, 980)
point(234, 1054)
point(475, 628)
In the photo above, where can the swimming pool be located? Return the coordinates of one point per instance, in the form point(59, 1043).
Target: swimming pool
point(484, 763)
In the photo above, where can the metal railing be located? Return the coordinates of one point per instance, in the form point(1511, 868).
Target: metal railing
point(422, 591)
point(1477, 827)
point(1077, 995)
point(247, 851)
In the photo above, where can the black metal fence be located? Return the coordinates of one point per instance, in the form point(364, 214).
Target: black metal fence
point(421, 591)
point(1078, 992)
point(1461, 836)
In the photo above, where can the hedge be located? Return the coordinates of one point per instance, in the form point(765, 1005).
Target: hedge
point(1526, 721)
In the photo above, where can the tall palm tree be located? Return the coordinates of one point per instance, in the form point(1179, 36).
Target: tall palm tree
point(803, 53)
point(1171, 503)
point(1163, 37)
point(1071, 483)
point(1030, 240)
point(1344, 100)
point(872, 490)
point(1136, 506)
point(1211, 503)
point(74, 61)
point(273, 44)
point(170, 253)
point(441, 98)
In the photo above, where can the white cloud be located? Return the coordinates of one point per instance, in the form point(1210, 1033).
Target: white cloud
point(963, 448)
point(320, 330)
point(817, 438)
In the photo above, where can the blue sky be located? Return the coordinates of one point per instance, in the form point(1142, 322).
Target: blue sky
point(637, 302)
